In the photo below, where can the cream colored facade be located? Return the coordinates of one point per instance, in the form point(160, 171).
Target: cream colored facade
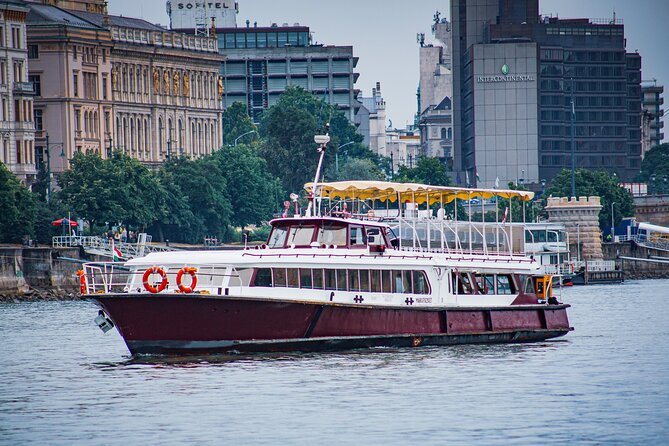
point(17, 131)
point(118, 83)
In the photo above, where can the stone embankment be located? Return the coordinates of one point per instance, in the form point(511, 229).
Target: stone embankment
point(638, 262)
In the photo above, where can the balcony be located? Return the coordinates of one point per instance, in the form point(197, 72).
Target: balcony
point(23, 88)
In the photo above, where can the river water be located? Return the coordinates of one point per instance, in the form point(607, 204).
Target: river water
point(62, 381)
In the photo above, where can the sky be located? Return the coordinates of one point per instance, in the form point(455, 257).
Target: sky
point(383, 34)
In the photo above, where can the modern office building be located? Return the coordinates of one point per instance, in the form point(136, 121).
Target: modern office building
point(261, 62)
point(515, 74)
point(17, 131)
point(109, 82)
point(652, 107)
point(436, 92)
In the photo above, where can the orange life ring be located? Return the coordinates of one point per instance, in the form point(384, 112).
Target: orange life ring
point(82, 281)
point(145, 279)
point(183, 288)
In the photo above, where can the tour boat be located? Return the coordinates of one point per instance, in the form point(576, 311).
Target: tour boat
point(368, 264)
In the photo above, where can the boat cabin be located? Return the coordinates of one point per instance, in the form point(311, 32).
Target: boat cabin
point(327, 232)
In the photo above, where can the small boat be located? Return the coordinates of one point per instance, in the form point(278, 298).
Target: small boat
point(382, 272)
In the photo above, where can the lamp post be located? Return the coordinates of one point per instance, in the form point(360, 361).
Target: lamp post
point(243, 134)
point(573, 150)
point(578, 242)
point(653, 178)
point(337, 154)
point(612, 225)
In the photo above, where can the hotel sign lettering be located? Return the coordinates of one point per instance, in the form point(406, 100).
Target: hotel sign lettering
point(210, 5)
point(505, 77)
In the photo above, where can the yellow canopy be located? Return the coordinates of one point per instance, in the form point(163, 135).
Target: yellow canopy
point(412, 192)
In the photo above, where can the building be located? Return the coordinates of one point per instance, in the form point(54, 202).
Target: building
point(515, 75)
point(17, 130)
point(261, 62)
point(652, 107)
point(371, 120)
point(115, 83)
point(403, 147)
point(436, 91)
point(199, 14)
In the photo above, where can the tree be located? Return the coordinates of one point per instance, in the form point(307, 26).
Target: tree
point(289, 127)
point(595, 183)
point(359, 169)
point(19, 208)
point(427, 171)
point(119, 189)
point(236, 122)
point(254, 191)
point(655, 169)
point(198, 201)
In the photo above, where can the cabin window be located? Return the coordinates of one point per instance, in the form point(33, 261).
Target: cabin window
point(528, 285)
point(277, 239)
point(300, 235)
point(485, 283)
point(375, 276)
point(318, 279)
point(279, 277)
point(332, 234)
point(305, 278)
point(386, 281)
point(464, 283)
point(364, 280)
point(330, 279)
point(419, 283)
point(263, 277)
point(357, 237)
point(341, 280)
point(292, 278)
point(505, 284)
point(353, 280)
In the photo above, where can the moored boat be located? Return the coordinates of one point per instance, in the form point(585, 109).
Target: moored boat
point(339, 277)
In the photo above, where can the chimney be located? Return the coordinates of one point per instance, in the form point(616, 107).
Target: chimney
point(212, 33)
point(378, 87)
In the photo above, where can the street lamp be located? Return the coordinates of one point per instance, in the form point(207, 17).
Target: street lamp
point(337, 154)
point(243, 134)
point(653, 178)
point(612, 225)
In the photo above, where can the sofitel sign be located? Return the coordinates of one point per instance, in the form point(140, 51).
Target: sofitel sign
point(210, 5)
point(505, 77)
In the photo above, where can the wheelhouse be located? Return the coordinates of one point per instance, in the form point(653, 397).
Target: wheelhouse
point(326, 233)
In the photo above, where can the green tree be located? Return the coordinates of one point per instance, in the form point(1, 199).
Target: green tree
point(655, 169)
point(359, 169)
point(119, 189)
point(289, 127)
point(595, 183)
point(427, 171)
point(198, 200)
point(19, 208)
point(254, 191)
point(236, 122)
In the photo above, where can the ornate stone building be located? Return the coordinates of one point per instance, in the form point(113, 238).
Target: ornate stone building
point(17, 131)
point(116, 83)
point(581, 220)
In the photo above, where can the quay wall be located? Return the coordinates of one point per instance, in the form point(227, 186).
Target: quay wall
point(637, 269)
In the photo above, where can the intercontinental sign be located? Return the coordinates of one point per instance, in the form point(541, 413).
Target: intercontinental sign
point(505, 77)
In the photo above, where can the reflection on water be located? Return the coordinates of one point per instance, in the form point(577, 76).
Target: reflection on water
point(64, 382)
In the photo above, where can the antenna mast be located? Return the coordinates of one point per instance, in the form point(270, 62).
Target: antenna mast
point(322, 141)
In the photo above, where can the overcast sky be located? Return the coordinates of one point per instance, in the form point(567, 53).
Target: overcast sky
point(383, 34)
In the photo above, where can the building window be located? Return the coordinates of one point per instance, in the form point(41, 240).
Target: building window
point(16, 37)
point(75, 82)
point(37, 83)
point(104, 87)
point(33, 52)
point(39, 124)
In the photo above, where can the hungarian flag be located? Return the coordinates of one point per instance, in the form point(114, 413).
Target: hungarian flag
point(506, 211)
point(117, 254)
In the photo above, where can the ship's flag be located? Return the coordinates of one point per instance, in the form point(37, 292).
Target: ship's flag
point(497, 183)
point(117, 254)
point(506, 211)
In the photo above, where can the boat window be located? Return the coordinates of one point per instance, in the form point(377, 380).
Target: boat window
point(357, 236)
point(292, 277)
point(528, 286)
point(386, 281)
point(318, 278)
point(420, 283)
point(375, 280)
point(353, 280)
point(300, 235)
point(485, 283)
point(330, 279)
point(364, 280)
point(464, 283)
point(305, 278)
point(504, 284)
point(263, 277)
point(332, 234)
point(279, 277)
point(341, 280)
point(552, 236)
point(277, 237)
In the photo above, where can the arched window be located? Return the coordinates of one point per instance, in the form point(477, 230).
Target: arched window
point(192, 138)
point(160, 134)
point(213, 137)
point(180, 129)
point(140, 140)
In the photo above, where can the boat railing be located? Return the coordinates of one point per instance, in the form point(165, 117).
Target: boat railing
point(457, 237)
point(595, 265)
